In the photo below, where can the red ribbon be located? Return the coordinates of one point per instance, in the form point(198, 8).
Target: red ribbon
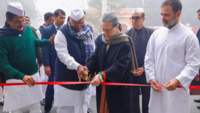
point(75, 83)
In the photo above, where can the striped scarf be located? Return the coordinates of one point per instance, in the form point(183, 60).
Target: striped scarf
point(85, 35)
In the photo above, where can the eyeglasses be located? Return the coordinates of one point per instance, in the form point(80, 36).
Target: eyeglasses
point(78, 24)
point(106, 30)
point(135, 18)
point(51, 19)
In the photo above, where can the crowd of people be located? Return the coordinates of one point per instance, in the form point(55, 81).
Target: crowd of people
point(69, 52)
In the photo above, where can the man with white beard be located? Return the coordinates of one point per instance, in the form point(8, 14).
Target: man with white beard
point(172, 59)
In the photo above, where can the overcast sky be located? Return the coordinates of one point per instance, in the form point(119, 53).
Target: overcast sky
point(66, 5)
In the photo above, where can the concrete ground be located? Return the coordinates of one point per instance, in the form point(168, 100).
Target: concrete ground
point(93, 106)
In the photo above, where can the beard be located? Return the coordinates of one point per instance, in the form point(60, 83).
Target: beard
point(171, 23)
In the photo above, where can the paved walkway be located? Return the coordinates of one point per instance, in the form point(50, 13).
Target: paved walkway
point(93, 106)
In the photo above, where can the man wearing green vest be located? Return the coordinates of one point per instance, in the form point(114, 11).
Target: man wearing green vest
point(18, 61)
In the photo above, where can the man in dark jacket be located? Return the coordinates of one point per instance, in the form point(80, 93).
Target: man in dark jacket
point(140, 36)
point(49, 55)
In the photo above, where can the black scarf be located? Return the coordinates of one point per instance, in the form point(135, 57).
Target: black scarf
point(8, 31)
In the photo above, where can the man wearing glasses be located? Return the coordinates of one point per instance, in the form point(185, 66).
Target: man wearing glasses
point(140, 36)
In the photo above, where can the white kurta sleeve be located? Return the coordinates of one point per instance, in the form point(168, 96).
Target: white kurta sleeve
point(192, 58)
point(62, 52)
point(39, 34)
point(149, 60)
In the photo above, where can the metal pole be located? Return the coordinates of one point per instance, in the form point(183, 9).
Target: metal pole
point(142, 3)
point(104, 6)
point(83, 4)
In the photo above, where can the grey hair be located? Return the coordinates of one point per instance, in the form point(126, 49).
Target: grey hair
point(112, 17)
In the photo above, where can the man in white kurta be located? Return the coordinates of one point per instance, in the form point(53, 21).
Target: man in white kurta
point(172, 59)
point(71, 100)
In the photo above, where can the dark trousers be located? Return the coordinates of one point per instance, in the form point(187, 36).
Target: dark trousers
point(49, 94)
point(195, 91)
point(145, 91)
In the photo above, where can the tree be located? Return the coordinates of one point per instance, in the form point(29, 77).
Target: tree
point(94, 17)
point(28, 5)
point(152, 11)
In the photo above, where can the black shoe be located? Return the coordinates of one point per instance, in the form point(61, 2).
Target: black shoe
point(1, 103)
point(89, 110)
point(198, 107)
point(197, 100)
point(42, 102)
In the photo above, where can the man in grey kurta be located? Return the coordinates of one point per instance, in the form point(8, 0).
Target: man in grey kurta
point(140, 36)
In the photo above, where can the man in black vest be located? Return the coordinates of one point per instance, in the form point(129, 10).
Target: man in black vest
point(74, 45)
point(140, 36)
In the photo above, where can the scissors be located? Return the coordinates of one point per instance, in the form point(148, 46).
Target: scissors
point(88, 78)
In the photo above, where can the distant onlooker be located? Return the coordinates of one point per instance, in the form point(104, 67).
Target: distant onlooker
point(27, 20)
point(49, 19)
